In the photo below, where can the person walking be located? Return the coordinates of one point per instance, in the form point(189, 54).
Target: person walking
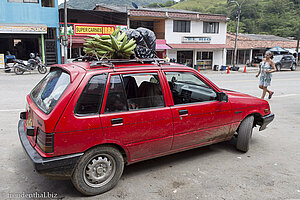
point(266, 67)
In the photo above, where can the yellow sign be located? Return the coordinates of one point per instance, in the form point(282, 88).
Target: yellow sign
point(91, 30)
point(2, 64)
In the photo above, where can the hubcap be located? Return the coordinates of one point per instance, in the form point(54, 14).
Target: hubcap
point(99, 170)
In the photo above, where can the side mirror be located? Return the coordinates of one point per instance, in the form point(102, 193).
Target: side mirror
point(221, 96)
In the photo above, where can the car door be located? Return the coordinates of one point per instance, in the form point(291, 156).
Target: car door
point(198, 116)
point(135, 115)
point(285, 62)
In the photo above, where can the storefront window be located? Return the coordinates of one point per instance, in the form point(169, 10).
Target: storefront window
point(210, 27)
point(204, 59)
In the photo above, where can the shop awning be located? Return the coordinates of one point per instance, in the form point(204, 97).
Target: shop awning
point(77, 40)
point(161, 44)
point(198, 46)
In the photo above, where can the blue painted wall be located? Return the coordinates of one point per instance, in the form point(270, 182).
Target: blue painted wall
point(30, 13)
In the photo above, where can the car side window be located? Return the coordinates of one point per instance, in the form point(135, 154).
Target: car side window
point(186, 87)
point(116, 99)
point(91, 98)
point(143, 91)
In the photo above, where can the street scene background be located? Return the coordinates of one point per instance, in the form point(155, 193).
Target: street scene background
point(269, 170)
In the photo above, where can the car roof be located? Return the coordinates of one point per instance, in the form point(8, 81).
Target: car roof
point(120, 64)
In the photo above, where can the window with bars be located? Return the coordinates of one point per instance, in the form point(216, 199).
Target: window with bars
point(210, 27)
point(48, 3)
point(181, 26)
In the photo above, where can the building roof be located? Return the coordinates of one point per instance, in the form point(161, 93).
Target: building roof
point(258, 41)
point(161, 13)
point(112, 8)
point(260, 37)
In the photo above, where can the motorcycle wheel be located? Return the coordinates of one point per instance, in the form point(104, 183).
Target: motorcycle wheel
point(18, 71)
point(42, 69)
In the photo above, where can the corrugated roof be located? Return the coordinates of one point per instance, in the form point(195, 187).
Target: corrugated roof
point(113, 7)
point(260, 37)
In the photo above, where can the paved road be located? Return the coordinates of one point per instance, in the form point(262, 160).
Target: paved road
point(270, 170)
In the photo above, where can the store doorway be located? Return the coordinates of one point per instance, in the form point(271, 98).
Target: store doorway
point(19, 46)
point(185, 57)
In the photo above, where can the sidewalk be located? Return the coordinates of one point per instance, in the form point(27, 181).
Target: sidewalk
point(241, 70)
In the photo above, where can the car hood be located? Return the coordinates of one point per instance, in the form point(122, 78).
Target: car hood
point(238, 98)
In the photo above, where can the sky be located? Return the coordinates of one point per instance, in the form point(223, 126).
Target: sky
point(60, 1)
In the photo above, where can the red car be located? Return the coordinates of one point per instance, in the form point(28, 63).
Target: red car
point(87, 120)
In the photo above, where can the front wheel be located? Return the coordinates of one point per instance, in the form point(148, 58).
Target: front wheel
point(244, 134)
point(293, 68)
point(42, 69)
point(278, 67)
point(98, 171)
point(18, 70)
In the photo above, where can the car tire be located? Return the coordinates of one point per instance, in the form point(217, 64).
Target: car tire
point(293, 68)
point(18, 71)
point(278, 67)
point(98, 171)
point(244, 134)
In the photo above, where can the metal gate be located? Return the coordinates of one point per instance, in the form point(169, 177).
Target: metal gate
point(51, 46)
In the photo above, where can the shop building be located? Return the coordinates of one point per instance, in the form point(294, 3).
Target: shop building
point(30, 26)
point(191, 38)
point(82, 23)
point(186, 37)
point(251, 47)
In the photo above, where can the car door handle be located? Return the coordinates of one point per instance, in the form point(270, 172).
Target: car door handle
point(117, 121)
point(183, 112)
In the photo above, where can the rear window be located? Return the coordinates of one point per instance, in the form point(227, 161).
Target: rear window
point(47, 93)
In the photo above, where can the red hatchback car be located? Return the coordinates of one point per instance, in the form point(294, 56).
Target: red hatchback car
point(87, 120)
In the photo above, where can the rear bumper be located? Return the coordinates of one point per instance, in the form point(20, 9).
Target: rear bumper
point(266, 120)
point(60, 166)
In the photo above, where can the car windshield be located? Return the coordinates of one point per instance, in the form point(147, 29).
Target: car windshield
point(47, 92)
point(277, 58)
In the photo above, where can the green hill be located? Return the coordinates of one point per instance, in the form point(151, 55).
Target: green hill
point(276, 17)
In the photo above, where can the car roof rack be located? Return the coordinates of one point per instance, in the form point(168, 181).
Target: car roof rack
point(111, 62)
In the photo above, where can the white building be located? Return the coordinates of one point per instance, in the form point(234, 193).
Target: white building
point(186, 37)
point(194, 39)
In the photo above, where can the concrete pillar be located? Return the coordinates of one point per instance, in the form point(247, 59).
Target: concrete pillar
point(43, 48)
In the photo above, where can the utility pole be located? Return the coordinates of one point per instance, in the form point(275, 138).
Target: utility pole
point(236, 35)
point(239, 8)
point(298, 38)
point(65, 39)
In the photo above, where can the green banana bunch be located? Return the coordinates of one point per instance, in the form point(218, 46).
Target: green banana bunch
point(114, 46)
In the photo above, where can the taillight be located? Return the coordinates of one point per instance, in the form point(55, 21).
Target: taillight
point(45, 141)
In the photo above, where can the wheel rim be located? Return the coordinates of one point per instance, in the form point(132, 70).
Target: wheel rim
point(293, 67)
point(43, 69)
point(99, 170)
point(279, 67)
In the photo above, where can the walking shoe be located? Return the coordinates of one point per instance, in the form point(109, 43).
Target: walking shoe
point(270, 95)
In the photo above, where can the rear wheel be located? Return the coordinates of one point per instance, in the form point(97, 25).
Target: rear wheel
point(293, 68)
point(42, 69)
point(18, 71)
point(98, 171)
point(278, 67)
point(244, 134)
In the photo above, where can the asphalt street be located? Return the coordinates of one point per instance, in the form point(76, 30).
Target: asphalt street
point(269, 170)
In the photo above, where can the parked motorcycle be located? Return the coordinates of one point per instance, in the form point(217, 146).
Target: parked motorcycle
point(34, 62)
